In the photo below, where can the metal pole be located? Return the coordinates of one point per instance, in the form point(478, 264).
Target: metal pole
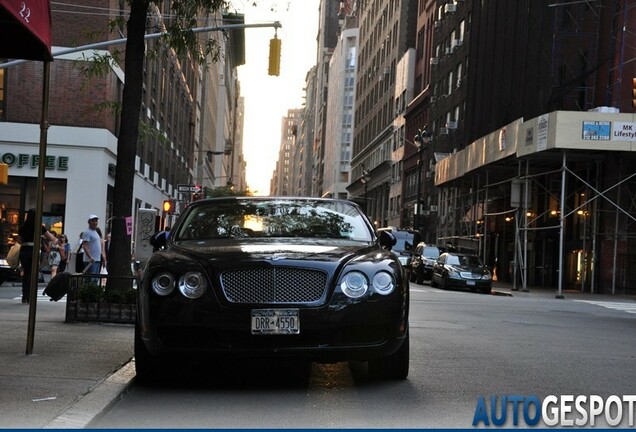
point(562, 227)
point(37, 231)
point(524, 286)
point(418, 208)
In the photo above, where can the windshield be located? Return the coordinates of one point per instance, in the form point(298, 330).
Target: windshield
point(465, 260)
point(430, 252)
point(274, 218)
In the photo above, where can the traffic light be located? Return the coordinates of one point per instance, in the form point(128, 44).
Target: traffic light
point(274, 56)
point(4, 173)
point(168, 206)
point(197, 195)
point(634, 92)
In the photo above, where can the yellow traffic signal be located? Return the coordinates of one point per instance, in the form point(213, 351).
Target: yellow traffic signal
point(4, 173)
point(634, 92)
point(274, 56)
point(168, 206)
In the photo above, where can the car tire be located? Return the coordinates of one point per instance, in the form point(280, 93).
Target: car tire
point(420, 278)
point(394, 367)
point(145, 364)
point(433, 283)
point(412, 276)
point(444, 283)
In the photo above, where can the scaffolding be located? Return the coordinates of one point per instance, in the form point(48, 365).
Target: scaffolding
point(547, 217)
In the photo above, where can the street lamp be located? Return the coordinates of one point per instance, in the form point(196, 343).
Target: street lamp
point(422, 139)
point(365, 178)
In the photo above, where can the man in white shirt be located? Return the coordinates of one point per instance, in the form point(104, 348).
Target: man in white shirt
point(92, 245)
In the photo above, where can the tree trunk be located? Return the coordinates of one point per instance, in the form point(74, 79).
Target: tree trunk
point(120, 250)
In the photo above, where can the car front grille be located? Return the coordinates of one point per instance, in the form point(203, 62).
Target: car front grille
point(274, 285)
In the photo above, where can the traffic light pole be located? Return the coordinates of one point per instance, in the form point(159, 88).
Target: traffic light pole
point(122, 41)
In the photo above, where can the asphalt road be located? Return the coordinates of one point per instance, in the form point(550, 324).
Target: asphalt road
point(463, 346)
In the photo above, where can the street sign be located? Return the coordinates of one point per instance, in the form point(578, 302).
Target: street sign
point(182, 188)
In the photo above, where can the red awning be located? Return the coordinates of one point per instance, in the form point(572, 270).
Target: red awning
point(25, 29)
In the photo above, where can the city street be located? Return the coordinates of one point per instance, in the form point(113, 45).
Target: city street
point(463, 346)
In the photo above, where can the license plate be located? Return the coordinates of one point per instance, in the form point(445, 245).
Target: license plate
point(275, 321)
point(470, 282)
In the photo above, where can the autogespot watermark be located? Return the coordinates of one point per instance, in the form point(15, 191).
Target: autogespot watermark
point(559, 411)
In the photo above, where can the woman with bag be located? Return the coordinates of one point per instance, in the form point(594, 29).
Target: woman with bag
point(26, 251)
point(56, 255)
point(65, 253)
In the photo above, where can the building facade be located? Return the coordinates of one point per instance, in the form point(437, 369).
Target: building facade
point(85, 92)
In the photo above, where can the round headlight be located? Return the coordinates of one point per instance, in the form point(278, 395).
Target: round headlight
point(383, 283)
point(192, 285)
point(354, 284)
point(163, 284)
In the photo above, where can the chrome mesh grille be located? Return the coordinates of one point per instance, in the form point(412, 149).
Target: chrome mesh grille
point(273, 285)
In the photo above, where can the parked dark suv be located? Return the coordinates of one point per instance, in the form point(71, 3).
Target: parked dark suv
point(422, 263)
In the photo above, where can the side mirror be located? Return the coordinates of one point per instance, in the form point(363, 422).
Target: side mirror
point(158, 240)
point(386, 239)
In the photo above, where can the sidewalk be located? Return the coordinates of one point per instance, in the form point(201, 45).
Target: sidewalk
point(75, 371)
point(506, 289)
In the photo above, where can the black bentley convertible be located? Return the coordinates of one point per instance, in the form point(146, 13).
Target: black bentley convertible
point(305, 279)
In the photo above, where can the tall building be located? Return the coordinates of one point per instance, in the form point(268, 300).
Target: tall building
point(327, 38)
point(531, 164)
point(340, 109)
point(387, 30)
point(283, 179)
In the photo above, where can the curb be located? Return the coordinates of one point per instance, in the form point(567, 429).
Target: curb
point(97, 400)
point(500, 293)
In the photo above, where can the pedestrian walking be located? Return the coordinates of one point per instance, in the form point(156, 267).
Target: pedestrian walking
point(26, 251)
point(65, 253)
point(92, 246)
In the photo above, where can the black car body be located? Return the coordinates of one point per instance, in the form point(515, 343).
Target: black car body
point(422, 263)
point(301, 278)
point(462, 271)
point(8, 273)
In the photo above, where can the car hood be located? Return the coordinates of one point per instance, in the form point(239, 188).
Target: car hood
point(467, 269)
point(238, 253)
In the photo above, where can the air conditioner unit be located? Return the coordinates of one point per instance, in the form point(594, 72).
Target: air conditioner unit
point(433, 208)
point(437, 24)
point(458, 42)
point(450, 8)
point(449, 51)
point(434, 60)
point(443, 131)
point(451, 125)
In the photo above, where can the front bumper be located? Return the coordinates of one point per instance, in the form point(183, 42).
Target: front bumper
point(342, 330)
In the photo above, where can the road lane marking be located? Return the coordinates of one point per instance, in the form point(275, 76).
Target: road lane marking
point(620, 306)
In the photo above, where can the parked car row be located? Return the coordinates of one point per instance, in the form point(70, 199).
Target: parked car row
point(449, 269)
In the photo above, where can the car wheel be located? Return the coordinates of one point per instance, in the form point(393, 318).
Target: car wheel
point(145, 364)
point(444, 283)
point(433, 283)
point(420, 277)
point(412, 276)
point(393, 367)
